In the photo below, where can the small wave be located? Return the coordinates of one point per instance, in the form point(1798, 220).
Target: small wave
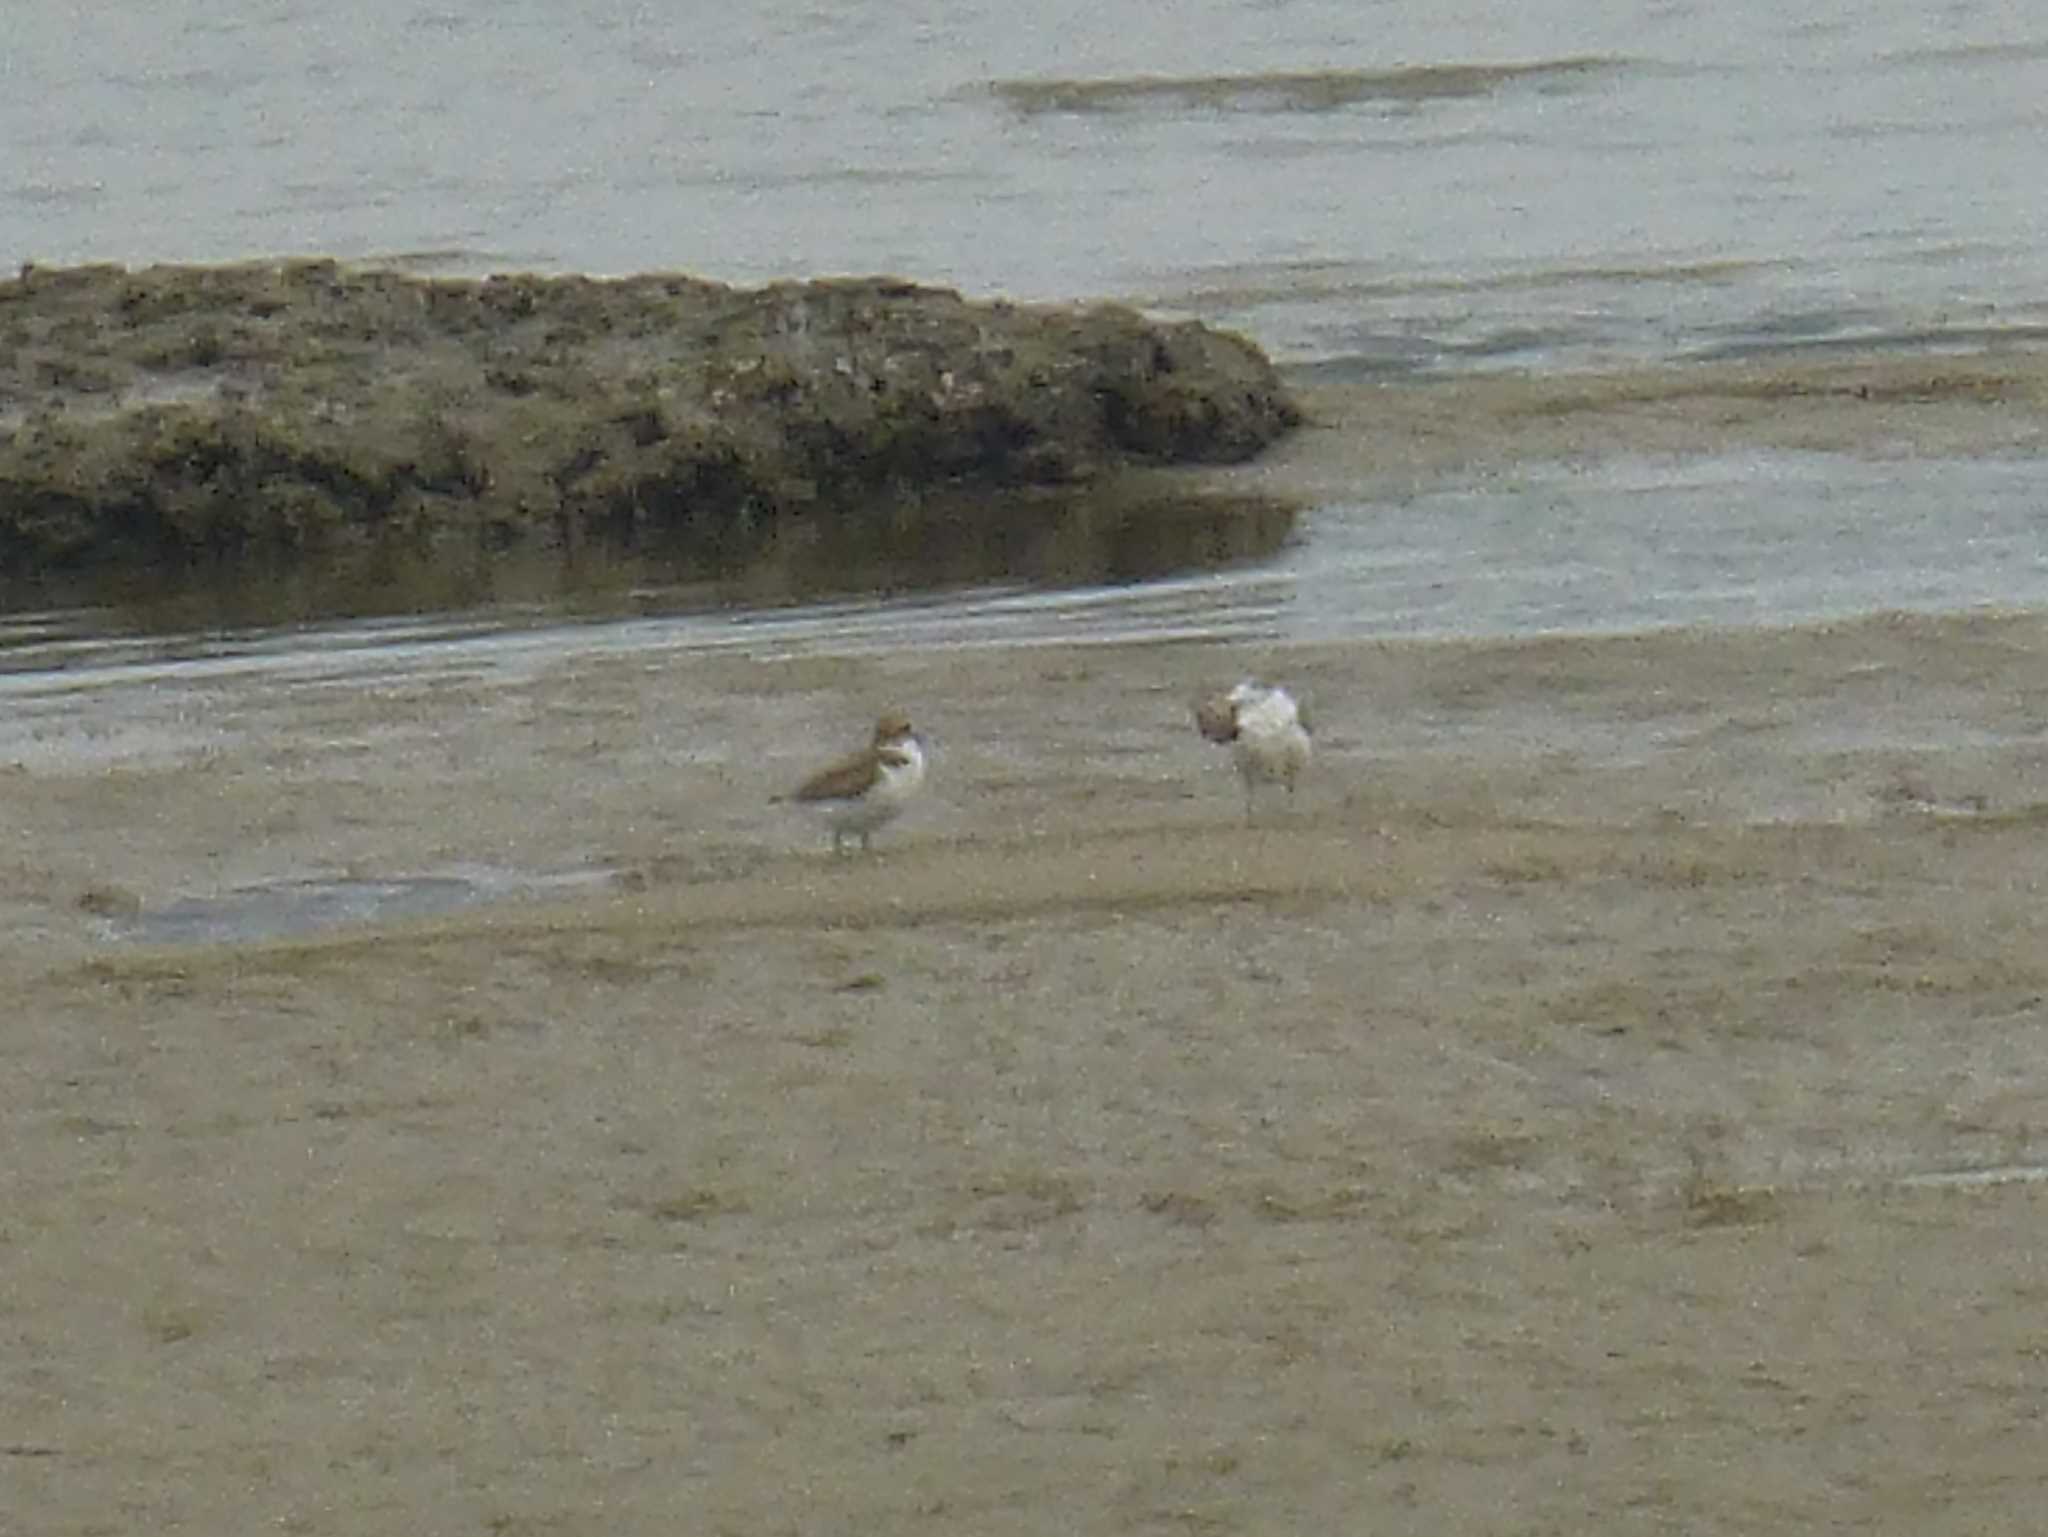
point(796, 178)
point(1252, 284)
point(50, 194)
point(1777, 340)
point(463, 261)
point(1322, 90)
point(1973, 55)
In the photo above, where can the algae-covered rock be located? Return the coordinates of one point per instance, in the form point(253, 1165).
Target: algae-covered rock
point(170, 414)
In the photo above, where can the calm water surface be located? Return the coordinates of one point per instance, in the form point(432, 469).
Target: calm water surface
point(1376, 188)
point(1743, 540)
point(1413, 186)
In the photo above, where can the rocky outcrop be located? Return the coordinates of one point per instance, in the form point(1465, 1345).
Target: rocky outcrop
point(172, 414)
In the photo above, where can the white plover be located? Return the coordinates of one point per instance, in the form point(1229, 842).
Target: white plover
point(1267, 731)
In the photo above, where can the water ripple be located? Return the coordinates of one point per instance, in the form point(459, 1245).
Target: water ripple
point(1322, 90)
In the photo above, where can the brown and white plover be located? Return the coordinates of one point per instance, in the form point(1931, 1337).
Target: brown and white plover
point(864, 791)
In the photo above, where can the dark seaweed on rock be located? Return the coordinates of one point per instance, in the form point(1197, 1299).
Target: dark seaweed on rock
point(173, 414)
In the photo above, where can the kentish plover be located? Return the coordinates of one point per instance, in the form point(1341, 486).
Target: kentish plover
point(865, 790)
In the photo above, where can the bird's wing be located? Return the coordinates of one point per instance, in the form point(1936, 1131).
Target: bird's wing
point(843, 780)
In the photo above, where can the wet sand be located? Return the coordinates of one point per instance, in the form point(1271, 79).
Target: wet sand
point(1612, 1098)
point(1872, 405)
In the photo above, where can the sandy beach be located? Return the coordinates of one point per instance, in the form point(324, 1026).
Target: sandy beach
point(1614, 1097)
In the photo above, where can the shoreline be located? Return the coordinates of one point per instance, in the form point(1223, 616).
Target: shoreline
point(1407, 434)
point(1356, 439)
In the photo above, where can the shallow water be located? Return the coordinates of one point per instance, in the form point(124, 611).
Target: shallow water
point(1736, 540)
point(1391, 187)
point(273, 909)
